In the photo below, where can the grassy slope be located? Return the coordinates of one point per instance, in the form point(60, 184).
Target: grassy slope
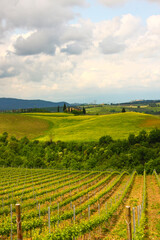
point(67, 127)
point(103, 109)
point(19, 125)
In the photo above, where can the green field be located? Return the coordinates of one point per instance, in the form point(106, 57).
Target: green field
point(67, 127)
point(19, 125)
point(103, 109)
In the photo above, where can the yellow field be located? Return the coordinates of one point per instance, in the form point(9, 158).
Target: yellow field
point(67, 127)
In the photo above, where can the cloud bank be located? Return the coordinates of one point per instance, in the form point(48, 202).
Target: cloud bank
point(45, 53)
point(113, 3)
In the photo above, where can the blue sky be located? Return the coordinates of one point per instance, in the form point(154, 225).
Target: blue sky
point(80, 50)
point(98, 12)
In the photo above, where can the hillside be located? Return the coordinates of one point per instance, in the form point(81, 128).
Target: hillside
point(13, 103)
point(19, 125)
point(84, 141)
point(67, 127)
point(150, 108)
point(142, 102)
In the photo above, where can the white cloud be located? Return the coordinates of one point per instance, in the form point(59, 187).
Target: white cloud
point(9, 67)
point(116, 34)
point(146, 44)
point(43, 55)
point(38, 42)
point(113, 3)
point(72, 39)
point(73, 49)
point(37, 13)
point(111, 45)
point(153, 24)
point(45, 20)
point(129, 26)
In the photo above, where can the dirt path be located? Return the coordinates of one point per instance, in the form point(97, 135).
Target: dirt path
point(153, 213)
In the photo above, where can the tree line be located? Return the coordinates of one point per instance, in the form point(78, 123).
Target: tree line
point(135, 152)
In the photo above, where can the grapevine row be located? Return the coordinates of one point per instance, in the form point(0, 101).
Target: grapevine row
point(52, 182)
point(31, 204)
point(140, 229)
point(93, 200)
point(39, 181)
point(34, 223)
point(76, 230)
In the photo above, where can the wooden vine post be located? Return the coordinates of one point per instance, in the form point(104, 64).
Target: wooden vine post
point(128, 221)
point(18, 220)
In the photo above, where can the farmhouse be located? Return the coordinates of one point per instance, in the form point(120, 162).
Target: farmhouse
point(70, 109)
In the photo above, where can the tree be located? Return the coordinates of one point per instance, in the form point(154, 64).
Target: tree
point(3, 137)
point(132, 139)
point(123, 110)
point(58, 109)
point(84, 110)
point(154, 136)
point(153, 104)
point(64, 107)
point(105, 140)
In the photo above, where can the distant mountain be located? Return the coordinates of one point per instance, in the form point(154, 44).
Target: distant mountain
point(143, 102)
point(13, 103)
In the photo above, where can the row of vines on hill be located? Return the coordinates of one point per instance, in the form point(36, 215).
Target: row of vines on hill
point(65, 204)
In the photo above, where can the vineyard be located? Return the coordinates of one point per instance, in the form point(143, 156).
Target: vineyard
point(78, 204)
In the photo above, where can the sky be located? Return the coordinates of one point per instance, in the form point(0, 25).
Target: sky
point(87, 51)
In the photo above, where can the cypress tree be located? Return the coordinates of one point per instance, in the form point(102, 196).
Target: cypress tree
point(84, 110)
point(64, 107)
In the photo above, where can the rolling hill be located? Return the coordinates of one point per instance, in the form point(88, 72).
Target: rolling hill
point(67, 127)
point(19, 125)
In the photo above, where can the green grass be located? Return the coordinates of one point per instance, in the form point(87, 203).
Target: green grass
point(103, 109)
point(67, 127)
point(19, 125)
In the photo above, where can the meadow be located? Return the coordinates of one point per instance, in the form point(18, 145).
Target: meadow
point(19, 125)
point(65, 205)
point(67, 127)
